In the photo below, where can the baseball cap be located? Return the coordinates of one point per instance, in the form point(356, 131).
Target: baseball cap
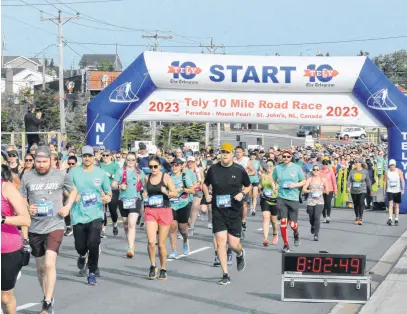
point(88, 150)
point(227, 147)
point(142, 146)
point(12, 152)
point(177, 161)
point(182, 159)
point(31, 106)
point(286, 151)
point(191, 158)
point(357, 160)
point(392, 162)
point(107, 151)
point(42, 151)
point(152, 150)
point(96, 149)
point(313, 155)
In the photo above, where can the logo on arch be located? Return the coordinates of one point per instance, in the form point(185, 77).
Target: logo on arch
point(320, 75)
point(183, 73)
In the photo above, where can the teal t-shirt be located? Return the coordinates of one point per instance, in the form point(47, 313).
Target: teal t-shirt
point(111, 169)
point(191, 176)
point(132, 180)
point(286, 175)
point(90, 186)
point(301, 163)
point(256, 166)
point(178, 181)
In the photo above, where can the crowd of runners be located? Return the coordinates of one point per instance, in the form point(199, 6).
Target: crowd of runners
point(48, 195)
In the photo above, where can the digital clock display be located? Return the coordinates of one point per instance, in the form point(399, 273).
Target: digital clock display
point(335, 264)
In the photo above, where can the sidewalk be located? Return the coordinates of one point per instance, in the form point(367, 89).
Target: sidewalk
point(390, 297)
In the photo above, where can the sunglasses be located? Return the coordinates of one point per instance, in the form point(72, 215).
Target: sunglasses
point(315, 169)
point(28, 160)
point(286, 156)
point(131, 159)
point(104, 155)
point(175, 165)
point(12, 155)
point(71, 164)
point(153, 166)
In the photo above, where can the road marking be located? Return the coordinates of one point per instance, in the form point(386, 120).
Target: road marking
point(26, 306)
point(190, 253)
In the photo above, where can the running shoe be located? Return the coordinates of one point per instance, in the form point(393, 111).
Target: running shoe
point(216, 262)
point(274, 241)
point(390, 222)
point(253, 212)
point(68, 231)
point(316, 238)
point(312, 229)
point(240, 261)
point(130, 252)
point(360, 222)
point(92, 279)
point(244, 225)
point(163, 275)
point(328, 220)
point(190, 232)
point(265, 242)
point(356, 221)
point(210, 226)
point(97, 272)
point(52, 301)
point(47, 308)
point(225, 280)
point(396, 222)
point(81, 262)
point(179, 236)
point(153, 272)
point(186, 248)
point(84, 271)
point(286, 248)
point(173, 255)
point(297, 239)
point(230, 259)
point(141, 224)
point(103, 235)
point(115, 231)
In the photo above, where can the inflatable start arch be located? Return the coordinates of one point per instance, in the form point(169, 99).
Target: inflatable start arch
point(251, 89)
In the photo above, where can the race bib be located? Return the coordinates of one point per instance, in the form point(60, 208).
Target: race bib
point(174, 200)
point(356, 184)
point(156, 201)
point(286, 184)
point(44, 209)
point(316, 194)
point(268, 192)
point(393, 183)
point(223, 201)
point(89, 199)
point(129, 203)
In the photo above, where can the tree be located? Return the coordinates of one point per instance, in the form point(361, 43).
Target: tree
point(181, 133)
point(363, 53)
point(106, 66)
point(134, 131)
point(394, 65)
point(51, 64)
point(47, 102)
point(76, 125)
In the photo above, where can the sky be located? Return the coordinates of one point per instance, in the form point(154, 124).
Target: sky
point(296, 27)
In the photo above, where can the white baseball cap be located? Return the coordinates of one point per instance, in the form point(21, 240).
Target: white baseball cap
point(191, 158)
point(392, 162)
point(152, 150)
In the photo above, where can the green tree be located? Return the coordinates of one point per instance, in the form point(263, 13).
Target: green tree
point(394, 65)
point(47, 102)
point(76, 125)
point(181, 133)
point(134, 131)
point(106, 66)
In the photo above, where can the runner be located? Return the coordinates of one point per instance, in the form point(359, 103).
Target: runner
point(328, 174)
point(111, 169)
point(392, 178)
point(247, 165)
point(87, 213)
point(206, 206)
point(268, 203)
point(72, 162)
point(316, 186)
point(13, 214)
point(43, 188)
point(290, 178)
point(28, 165)
point(158, 214)
point(181, 208)
point(255, 182)
point(129, 180)
point(196, 176)
point(227, 180)
point(358, 184)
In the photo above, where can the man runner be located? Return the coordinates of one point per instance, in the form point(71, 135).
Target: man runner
point(43, 188)
point(227, 179)
point(392, 178)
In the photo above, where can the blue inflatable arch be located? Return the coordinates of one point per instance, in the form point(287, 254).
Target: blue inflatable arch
point(251, 89)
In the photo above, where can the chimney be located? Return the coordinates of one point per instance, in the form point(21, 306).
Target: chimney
point(9, 81)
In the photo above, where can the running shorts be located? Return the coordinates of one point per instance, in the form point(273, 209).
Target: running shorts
point(266, 207)
point(182, 215)
point(41, 242)
point(11, 264)
point(229, 220)
point(161, 215)
point(254, 184)
point(288, 209)
point(395, 197)
point(124, 212)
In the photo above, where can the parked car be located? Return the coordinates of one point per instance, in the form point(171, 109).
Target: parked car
point(352, 132)
point(305, 130)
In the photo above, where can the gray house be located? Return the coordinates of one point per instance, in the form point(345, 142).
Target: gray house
point(15, 62)
point(101, 62)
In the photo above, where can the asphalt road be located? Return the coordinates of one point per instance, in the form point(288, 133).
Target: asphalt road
point(191, 286)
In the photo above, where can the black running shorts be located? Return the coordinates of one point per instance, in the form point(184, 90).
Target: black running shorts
point(124, 212)
point(11, 264)
point(227, 219)
point(267, 207)
point(288, 209)
point(182, 215)
point(395, 197)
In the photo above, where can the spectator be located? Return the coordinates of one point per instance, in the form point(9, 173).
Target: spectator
point(32, 123)
point(28, 164)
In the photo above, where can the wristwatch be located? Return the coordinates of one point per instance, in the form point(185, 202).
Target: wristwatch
point(3, 219)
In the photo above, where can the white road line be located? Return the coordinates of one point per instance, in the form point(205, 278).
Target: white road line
point(25, 306)
point(190, 253)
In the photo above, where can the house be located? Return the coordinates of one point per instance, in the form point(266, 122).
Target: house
point(21, 62)
point(101, 62)
point(21, 78)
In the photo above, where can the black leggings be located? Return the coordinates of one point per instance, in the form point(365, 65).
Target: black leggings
point(87, 239)
point(327, 204)
point(314, 213)
point(359, 204)
point(113, 207)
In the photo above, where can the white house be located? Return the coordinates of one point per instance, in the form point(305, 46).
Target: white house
point(23, 78)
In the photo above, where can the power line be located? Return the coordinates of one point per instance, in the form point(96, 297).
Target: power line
point(30, 25)
point(43, 4)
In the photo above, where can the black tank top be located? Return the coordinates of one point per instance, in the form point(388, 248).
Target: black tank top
point(155, 189)
point(14, 170)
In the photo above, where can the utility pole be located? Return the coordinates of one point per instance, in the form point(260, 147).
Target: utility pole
point(212, 50)
point(156, 37)
point(43, 73)
point(59, 20)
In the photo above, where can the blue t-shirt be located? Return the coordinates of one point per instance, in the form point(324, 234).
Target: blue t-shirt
point(310, 165)
point(90, 186)
point(284, 176)
point(256, 166)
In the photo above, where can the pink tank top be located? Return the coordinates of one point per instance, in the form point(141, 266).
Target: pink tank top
point(11, 240)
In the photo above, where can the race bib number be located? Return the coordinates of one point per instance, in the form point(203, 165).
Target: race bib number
point(316, 194)
point(174, 200)
point(268, 192)
point(286, 184)
point(129, 203)
point(89, 199)
point(156, 201)
point(223, 201)
point(393, 183)
point(44, 209)
point(356, 184)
